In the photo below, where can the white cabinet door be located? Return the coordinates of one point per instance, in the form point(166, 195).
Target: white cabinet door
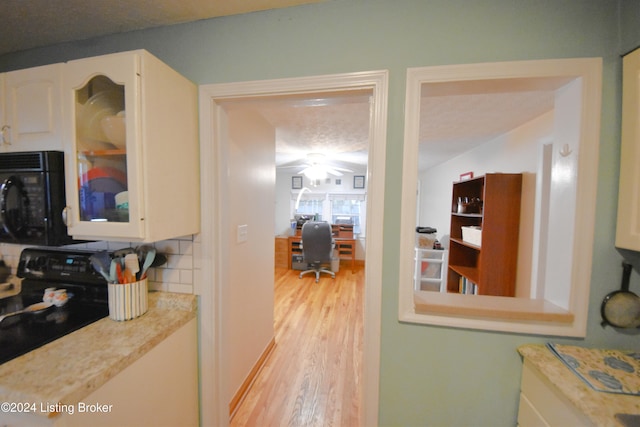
point(99, 170)
point(33, 109)
point(132, 160)
point(159, 389)
point(628, 226)
point(543, 404)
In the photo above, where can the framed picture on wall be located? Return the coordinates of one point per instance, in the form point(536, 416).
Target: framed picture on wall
point(466, 176)
point(296, 182)
point(358, 181)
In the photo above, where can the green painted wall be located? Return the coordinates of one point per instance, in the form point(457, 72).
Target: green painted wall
point(430, 376)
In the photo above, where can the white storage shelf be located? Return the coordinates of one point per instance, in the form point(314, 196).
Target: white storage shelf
point(430, 269)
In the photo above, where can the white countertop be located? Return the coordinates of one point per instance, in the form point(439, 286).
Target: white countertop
point(68, 369)
point(599, 407)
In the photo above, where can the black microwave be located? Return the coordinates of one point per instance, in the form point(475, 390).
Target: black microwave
point(32, 198)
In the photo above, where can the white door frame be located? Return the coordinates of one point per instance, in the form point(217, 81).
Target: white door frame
point(213, 362)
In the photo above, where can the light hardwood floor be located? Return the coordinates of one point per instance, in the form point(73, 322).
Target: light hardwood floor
point(313, 376)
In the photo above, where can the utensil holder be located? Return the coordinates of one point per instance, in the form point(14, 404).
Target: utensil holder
point(128, 300)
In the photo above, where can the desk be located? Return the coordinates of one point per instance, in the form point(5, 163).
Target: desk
point(281, 252)
point(346, 248)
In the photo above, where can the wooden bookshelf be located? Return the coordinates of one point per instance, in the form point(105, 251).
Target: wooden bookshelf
point(494, 207)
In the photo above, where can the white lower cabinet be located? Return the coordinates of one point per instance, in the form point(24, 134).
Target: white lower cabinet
point(159, 389)
point(542, 404)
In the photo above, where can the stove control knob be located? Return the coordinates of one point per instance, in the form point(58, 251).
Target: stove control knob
point(28, 263)
point(37, 263)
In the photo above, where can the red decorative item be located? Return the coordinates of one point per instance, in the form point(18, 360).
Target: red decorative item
point(466, 176)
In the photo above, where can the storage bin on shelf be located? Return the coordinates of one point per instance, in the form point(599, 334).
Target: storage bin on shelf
point(430, 269)
point(425, 237)
point(472, 235)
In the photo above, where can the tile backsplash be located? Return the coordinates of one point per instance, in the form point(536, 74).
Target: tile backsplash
point(177, 275)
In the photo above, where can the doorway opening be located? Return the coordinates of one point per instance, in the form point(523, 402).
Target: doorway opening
point(215, 272)
point(327, 134)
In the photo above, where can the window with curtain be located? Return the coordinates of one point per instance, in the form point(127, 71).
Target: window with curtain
point(311, 207)
point(310, 204)
point(349, 208)
point(341, 208)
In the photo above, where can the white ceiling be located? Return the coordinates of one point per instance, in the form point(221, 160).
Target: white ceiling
point(453, 117)
point(458, 116)
point(451, 124)
point(336, 126)
point(26, 24)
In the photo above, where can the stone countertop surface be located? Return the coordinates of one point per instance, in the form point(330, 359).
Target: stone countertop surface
point(599, 407)
point(68, 369)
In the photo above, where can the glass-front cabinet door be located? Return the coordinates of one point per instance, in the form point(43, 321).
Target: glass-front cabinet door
point(102, 96)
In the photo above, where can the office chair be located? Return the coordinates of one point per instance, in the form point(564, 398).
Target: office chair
point(317, 245)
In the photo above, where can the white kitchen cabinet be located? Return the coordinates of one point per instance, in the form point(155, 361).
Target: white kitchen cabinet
point(542, 404)
point(32, 109)
point(159, 389)
point(628, 224)
point(132, 160)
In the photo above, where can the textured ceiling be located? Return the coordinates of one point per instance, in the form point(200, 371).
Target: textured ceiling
point(454, 116)
point(460, 115)
point(25, 24)
point(450, 123)
point(336, 126)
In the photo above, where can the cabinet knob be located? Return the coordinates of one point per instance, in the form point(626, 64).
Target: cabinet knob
point(65, 215)
point(5, 133)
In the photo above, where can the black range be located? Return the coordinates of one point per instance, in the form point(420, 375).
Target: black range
point(43, 268)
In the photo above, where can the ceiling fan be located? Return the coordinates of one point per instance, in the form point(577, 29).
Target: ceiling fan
point(317, 167)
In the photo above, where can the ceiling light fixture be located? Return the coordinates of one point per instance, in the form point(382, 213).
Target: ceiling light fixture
point(315, 172)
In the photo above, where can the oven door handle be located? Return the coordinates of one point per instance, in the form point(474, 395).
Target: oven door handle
point(12, 223)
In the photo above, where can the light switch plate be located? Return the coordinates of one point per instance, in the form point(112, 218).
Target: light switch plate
point(243, 233)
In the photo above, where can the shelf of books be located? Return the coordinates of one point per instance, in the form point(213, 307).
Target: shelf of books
point(467, 287)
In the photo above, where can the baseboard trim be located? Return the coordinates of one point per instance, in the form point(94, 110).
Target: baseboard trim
point(248, 382)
